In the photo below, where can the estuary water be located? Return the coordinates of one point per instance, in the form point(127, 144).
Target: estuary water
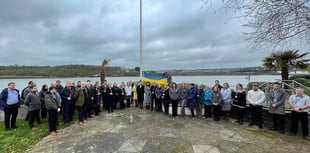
point(206, 80)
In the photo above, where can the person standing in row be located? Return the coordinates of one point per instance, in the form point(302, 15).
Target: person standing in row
point(207, 95)
point(256, 97)
point(153, 88)
point(158, 98)
point(300, 104)
point(192, 98)
point(216, 99)
point(42, 94)
point(183, 98)
point(199, 101)
point(239, 101)
point(134, 94)
point(174, 94)
point(97, 98)
point(9, 103)
point(277, 107)
point(103, 90)
point(110, 98)
point(128, 90)
point(226, 104)
point(147, 95)
point(140, 93)
point(166, 98)
point(80, 102)
point(33, 102)
point(67, 94)
point(53, 107)
point(122, 96)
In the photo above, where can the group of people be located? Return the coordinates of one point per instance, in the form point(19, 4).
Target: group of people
point(217, 101)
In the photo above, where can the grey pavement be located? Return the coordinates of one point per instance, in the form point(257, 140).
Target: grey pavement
point(135, 130)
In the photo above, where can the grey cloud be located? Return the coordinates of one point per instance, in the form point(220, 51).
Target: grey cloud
point(176, 34)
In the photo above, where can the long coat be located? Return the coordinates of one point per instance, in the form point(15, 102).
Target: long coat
point(277, 98)
point(148, 95)
point(192, 97)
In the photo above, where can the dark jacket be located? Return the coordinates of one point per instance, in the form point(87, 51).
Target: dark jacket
point(192, 97)
point(79, 96)
point(50, 102)
point(65, 93)
point(4, 98)
point(165, 96)
point(239, 99)
point(33, 101)
point(200, 95)
point(279, 101)
point(140, 92)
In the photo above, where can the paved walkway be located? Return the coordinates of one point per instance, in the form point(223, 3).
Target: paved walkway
point(135, 130)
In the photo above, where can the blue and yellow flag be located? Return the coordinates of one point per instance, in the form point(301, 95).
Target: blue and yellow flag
point(158, 78)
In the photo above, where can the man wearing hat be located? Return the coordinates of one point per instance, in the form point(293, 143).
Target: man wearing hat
point(256, 97)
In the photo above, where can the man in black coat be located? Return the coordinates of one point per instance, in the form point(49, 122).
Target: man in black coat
point(140, 93)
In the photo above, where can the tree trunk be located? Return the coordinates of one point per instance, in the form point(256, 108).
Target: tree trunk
point(284, 75)
point(102, 74)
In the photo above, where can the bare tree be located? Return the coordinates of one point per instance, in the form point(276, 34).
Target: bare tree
point(273, 22)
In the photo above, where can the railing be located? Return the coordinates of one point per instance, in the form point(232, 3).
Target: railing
point(291, 85)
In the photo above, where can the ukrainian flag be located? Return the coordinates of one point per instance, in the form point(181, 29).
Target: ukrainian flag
point(158, 78)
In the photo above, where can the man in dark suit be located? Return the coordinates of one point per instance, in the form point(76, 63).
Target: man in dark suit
point(140, 93)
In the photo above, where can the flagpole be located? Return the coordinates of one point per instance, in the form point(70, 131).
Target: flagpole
point(141, 53)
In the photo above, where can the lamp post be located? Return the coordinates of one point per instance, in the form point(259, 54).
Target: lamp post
point(141, 53)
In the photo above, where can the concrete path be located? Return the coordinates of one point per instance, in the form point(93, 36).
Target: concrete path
point(135, 130)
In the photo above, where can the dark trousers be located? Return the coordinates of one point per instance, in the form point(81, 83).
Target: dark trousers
point(10, 115)
point(240, 114)
point(71, 111)
point(256, 115)
point(43, 112)
point(175, 107)
point(159, 105)
point(208, 111)
point(128, 101)
point(66, 112)
point(278, 122)
point(34, 115)
point(216, 112)
point(110, 107)
point(166, 107)
point(89, 108)
point(52, 122)
point(97, 109)
point(192, 111)
point(122, 104)
point(81, 110)
point(198, 109)
point(153, 102)
point(140, 102)
point(303, 117)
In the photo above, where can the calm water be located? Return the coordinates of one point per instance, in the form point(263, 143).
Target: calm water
point(207, 80)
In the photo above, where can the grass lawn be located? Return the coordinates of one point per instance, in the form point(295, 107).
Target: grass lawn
point(20, 139)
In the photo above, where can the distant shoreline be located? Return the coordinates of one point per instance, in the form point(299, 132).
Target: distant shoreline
point(43, 77)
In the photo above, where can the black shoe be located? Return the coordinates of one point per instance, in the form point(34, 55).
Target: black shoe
point(281, 132)
point(292, 134)
point(7, 129)
point(238, 121)
point(14, 127)
point(274, 129)
point(250, 124)
point(241, 123)
point(260, 126)
point(306, 138)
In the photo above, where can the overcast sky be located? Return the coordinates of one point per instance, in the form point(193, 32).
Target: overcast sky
point(177, 34)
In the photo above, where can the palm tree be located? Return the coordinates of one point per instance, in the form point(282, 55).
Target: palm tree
point(284, 61)
point(102, 73)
